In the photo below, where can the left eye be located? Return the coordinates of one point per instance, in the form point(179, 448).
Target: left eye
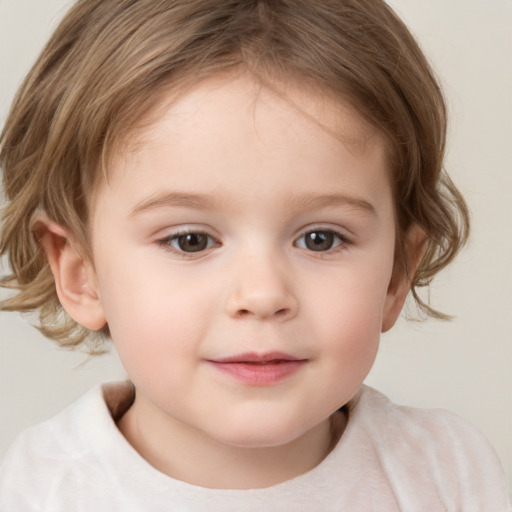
point(320, 240)
point(190, 242)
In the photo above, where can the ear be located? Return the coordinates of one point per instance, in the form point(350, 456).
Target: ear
point(75, 279)
point(401, 278)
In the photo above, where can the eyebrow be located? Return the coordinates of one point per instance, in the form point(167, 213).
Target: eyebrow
point(176, 199)
point(308, 202)
point(303, 202)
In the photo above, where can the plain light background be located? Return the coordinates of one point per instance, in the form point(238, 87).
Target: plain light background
point(464, 365)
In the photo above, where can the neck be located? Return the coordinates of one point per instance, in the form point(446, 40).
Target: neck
point(186, 454)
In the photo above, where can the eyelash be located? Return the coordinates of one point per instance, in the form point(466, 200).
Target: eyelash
point(342, 244)
point(167, 242)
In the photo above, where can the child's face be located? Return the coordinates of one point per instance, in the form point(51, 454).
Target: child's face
point(243, 259)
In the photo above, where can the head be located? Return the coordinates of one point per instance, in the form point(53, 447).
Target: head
point(103, 76)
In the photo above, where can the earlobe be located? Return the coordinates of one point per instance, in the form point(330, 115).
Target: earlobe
point(401, 278)
point(75, 279)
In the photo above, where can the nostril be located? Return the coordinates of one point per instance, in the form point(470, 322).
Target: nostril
point(247, 312)
point(266, 304)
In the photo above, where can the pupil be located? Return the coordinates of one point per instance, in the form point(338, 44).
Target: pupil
point(319, 240)
point(193, 242)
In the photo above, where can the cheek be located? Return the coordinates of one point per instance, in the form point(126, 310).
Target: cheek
point(149, 319)
point(353, 340)
point(352, 346)
point(352, 300)
point(350, 323)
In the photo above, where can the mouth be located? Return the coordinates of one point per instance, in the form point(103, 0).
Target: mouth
point(254, 358)
point(259, 369)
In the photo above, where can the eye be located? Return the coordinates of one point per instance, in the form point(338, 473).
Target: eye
point(189, 242)
point(320, 240)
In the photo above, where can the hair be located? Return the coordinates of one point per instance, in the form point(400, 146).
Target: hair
point(109, 62)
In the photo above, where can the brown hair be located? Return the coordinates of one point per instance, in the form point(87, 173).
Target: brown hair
point(109, 61)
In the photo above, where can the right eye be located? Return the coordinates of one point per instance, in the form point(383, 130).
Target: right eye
point(189, 242)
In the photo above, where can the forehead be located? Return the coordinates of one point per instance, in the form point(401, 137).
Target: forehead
point(238, 90)
point(226, 123)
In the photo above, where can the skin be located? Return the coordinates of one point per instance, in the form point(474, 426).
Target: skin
point(259, 179)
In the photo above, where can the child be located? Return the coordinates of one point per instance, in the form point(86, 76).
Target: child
point(239, 194)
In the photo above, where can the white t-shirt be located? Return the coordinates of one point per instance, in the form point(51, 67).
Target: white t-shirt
point(389, 458)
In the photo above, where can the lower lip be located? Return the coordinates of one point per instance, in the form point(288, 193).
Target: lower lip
point(260, 374)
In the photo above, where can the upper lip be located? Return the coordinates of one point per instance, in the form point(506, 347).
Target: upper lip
point(253, 357)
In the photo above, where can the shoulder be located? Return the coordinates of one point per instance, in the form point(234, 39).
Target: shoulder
point(431, 447)
point(54, 454)
point(419, 429)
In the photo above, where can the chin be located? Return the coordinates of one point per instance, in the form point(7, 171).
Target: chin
point(260, 435)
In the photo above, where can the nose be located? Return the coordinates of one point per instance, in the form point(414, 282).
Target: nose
point(261, 289)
